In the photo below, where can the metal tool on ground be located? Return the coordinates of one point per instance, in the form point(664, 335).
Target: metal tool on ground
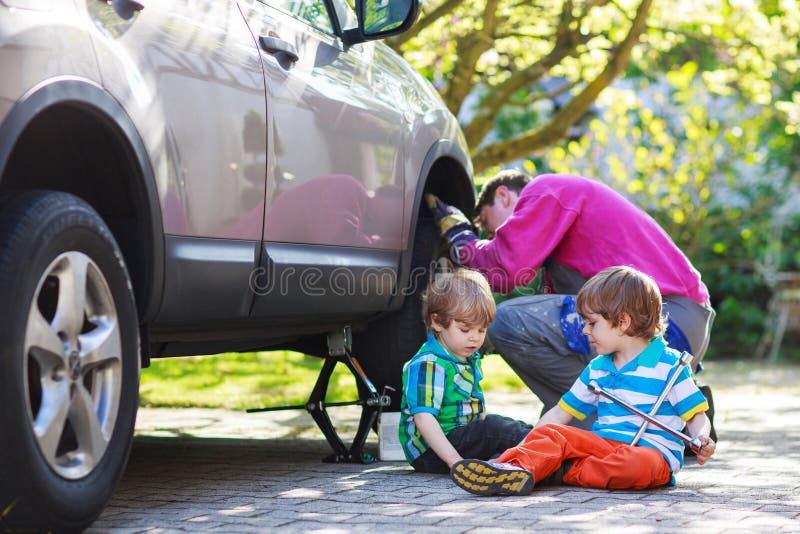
point(693, 443)
point(371, 402)
point(685, 360)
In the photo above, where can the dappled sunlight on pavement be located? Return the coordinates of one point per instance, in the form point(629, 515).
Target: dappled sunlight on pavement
point(216, 470)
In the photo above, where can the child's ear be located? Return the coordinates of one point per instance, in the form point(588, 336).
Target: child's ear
point(436, 326)
point(624, 323)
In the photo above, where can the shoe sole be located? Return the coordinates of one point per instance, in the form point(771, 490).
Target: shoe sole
point(482, 478)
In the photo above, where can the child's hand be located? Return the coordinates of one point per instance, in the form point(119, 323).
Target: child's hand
point(707, 449)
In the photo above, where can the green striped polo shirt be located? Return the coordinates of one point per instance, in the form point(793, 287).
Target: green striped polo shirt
point(437, 382)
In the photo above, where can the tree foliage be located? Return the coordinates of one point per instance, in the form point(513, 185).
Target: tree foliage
point(499, 52)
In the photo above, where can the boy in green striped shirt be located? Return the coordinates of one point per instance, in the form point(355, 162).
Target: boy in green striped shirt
point(443, 414)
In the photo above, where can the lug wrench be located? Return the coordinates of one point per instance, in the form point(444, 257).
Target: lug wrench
point(693, 443)
point(685, 360)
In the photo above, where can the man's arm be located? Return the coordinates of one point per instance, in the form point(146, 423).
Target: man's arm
point(430, 429)
point(453, 224)
point(519, 247)
point(699, 427)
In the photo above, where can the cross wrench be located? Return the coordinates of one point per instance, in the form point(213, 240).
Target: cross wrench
point(685, 360)
point(693, 443)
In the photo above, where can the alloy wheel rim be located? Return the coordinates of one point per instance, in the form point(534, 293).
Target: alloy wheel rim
point(73, 365)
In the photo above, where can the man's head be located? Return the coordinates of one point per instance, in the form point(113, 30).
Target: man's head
point(624, 297)
point(498, 198)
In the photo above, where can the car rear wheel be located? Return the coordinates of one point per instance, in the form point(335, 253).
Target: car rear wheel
point(70, 359)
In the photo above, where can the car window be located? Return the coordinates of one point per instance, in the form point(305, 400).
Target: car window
point(312, 11)
point(345, 13)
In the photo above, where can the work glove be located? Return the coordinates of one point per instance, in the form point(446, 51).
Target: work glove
point(453, 225)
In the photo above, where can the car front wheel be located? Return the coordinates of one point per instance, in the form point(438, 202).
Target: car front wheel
point(70, 359)
point(393, 339)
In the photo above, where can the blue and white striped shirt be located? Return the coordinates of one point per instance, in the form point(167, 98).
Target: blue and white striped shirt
point(640, 382)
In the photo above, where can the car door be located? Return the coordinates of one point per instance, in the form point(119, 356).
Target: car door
point(335, 137)
point(190, 77)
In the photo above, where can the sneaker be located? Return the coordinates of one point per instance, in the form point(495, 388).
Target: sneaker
point(491, 478)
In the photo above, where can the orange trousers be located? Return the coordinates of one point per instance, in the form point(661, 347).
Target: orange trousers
point(597, 462)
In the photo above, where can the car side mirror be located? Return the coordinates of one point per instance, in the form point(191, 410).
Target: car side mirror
point(381, 18)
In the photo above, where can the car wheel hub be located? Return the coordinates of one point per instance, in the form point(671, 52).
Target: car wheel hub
point(75, 365)
point(73, 356)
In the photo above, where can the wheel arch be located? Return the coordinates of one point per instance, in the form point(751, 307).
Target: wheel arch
point(68, 134)
point(447, 173)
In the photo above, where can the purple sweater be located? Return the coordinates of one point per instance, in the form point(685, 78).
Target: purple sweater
point(586, 226)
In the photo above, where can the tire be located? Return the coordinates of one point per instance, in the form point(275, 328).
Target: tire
point(394, 338)
point(70, 361)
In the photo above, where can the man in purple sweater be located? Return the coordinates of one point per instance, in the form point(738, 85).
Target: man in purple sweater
point(573, 227)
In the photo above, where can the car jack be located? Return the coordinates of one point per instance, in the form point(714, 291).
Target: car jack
point(339, 345)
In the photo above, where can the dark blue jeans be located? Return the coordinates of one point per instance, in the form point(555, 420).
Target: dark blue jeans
point(483, 439)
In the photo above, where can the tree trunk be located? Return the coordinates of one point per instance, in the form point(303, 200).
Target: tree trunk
point(533, 141)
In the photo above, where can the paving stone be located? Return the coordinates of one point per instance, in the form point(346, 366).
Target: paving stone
point(219, 471)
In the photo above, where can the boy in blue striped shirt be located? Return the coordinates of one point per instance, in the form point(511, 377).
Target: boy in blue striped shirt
point(622, 310)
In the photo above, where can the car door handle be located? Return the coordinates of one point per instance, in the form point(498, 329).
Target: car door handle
point(275, 47)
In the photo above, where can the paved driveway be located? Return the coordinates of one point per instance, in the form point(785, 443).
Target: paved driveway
point(194, 470)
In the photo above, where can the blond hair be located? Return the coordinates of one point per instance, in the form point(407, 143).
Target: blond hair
point(619, 290)
point(462, 295)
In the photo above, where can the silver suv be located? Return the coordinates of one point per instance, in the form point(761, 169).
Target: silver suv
point(192, 177)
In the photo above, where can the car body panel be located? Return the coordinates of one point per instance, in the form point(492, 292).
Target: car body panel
point(324, 281)
point(91, 97)
point(185, 75)
point(57, 46)
point(372, 127)
point(436, 134)
point(256, 173)
point(215, 265)
point(192, 81)
point(335, 128)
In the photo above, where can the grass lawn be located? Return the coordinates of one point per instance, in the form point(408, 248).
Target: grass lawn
point(260, 379)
